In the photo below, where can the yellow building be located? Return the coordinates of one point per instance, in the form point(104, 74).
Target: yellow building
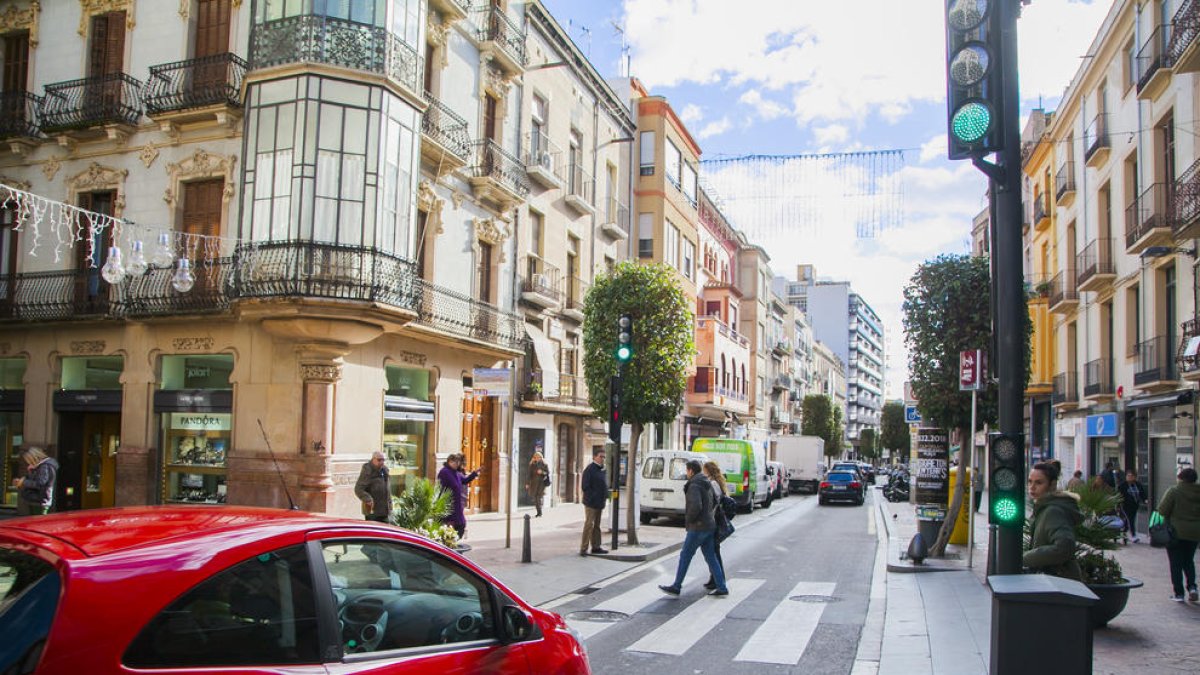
point(1042, 274)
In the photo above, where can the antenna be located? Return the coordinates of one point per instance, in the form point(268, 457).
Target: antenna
point(291, 502)
point(625, 57)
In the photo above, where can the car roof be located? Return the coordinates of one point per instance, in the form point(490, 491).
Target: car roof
point(99, 532)
point(841, 473)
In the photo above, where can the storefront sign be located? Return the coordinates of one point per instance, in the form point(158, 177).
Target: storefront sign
point(932, 470)
point(492, 381)
point(12, 400)
point(201, 421)
point(193, 400)
point(1102, 425)
point(93, 400)
point(556, 331)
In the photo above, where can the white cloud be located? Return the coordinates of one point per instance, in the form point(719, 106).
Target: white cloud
point(934, 148)
point(767, 109)
point(833, 134)
point(715, 128)
point(691, 114)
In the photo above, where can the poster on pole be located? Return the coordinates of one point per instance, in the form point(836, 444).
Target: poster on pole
point(971, 365)
point(932, 471)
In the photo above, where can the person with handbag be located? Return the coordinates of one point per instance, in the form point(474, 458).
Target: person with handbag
point(724, 527)
point(1180, 507)
point(1133, 495)
point(701, 525)
point(539, 479)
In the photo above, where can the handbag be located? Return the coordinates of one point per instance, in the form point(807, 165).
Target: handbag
point(546, 481)
point(724, 529)
point(728, 507)
point(1161, 532)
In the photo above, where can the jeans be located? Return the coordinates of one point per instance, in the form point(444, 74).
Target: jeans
point(705, 540)
point(591, 529)
point(1130, 519)
point(1181, 554)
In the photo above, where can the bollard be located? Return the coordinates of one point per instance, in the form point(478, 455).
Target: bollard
point(526, 544)
point(991, 556)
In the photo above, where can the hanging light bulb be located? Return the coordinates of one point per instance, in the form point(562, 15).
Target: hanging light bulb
point(113, 271)
point(137, 260)
point(184, 279)
point(163, 256)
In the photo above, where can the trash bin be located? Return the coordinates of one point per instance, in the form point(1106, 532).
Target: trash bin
point(1026, 608)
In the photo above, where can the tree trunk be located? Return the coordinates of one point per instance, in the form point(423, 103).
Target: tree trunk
point(631, 508)
point(962, 487)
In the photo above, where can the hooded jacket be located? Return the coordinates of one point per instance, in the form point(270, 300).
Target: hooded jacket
point(1052, 548)
point(1181, 507)
point(38, 486)
point(699, 501)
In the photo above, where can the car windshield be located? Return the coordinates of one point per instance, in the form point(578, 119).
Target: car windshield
point(29, 590)
point(840, 477)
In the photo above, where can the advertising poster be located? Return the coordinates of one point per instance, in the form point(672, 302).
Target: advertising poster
point(932, 471)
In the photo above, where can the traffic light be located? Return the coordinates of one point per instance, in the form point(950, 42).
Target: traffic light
point(1006, 489)
point(624, 339)
point(614, 410)
point(973, 78)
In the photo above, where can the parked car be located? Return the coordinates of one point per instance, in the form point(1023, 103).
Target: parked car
point(211, 589)
point(778, 480)
point(664, 473)
point(841, 486)
point(852, 467)
point(745, 467)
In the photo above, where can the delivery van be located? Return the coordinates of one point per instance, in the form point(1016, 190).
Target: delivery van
point(661, 491)
point(745, 467)
point(804, 457)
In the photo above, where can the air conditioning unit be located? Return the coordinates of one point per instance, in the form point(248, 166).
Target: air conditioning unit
point(540, 282)
point(545, 160)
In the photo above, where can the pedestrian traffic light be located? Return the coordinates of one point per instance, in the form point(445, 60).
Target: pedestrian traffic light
point(614, 410)
point(1006, 489)
point(973, 78)
point(624, 339)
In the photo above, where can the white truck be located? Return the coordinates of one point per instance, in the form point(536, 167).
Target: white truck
point(804, 457)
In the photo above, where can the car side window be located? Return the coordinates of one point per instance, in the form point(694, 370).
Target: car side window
point(260, 611)
point(679, 469)
point(653, 468)
point(392, 595)
point(29, 590)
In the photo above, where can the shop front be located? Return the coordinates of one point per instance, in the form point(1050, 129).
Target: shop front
point(1104, 442)
point(1163, 439)
point(12, 425)
point(194, 410)
point(88, 407)
point(408, 418)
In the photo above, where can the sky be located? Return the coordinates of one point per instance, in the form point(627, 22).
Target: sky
point(785, 77)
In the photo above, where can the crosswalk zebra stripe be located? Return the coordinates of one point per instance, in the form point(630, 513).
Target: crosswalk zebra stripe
point(783, 637)
point(630, 602)
point(683, 631)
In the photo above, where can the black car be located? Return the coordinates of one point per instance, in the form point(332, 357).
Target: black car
point(841, 486)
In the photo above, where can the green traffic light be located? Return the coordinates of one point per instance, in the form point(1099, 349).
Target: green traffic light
point(971, 122)
point(1005, 509)
point(624, 354)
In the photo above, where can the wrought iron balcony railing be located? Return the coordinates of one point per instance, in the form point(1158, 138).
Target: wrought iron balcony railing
point(452, 312)
point(312, 38)
point(301, 269)
point(1065, 388)
point(1095, 137)
point(1064, 180)
point(501, 166)
point(1098, 378)
point(541, 278)
point(544, 158)
point(1154, 54)
point(1156, 361)
point(1062, 288)
point(615, 213)
point(1096, 258)
point(1186, 208)
point(91, 101)
point(1150, 210)
point(495, 26)
point(572, 389)
point(1187, 27)
point(195, 83)
point(446, 128)
point(18, 114)
point(1040, 212)
point(577, 290)
point(580, 183)
point(1188, 360)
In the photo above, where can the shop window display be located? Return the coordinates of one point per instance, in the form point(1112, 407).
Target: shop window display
point(408, 414)
point(196, 445)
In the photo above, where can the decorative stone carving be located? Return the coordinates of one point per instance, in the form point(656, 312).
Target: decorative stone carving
point(202, 164)
point(14, 183)
point(185, 8)
point(320, 372)
point(437, 31)
point(148, 154)
point(496, 82)
point(427, 201)
point(97, 177)
point(51, 167)
point(92, 7)
point(87, 347)
point(457, 198)
point(413, 358)
point(192, 344)
point(489, 231)
point(14, 19)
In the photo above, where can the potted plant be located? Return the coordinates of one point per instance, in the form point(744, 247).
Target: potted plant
point(533, 392)
point(1095, 536)
point(420, 509)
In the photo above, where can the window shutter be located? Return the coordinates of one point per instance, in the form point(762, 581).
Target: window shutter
point(202, 206)
point(212, 27)
point(16, 62)
point(107, 49)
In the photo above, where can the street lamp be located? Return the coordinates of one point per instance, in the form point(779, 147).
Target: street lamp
point(1162, 251)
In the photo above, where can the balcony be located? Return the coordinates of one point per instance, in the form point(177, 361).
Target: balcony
point(1065, 392)
point(780, 417)
point(337, 42)
point(1186, 208)
point(576, 296)
point(1155, 364)
point(1188, 360)
point(614, 220)
point(110, 101)
point(782, 382)
point(289, 270)
point(580, 190)
point(781, 347)
point(572, 391)
point(498, 176)
point(1098, 379)
point(464, 317)
point(18, 120)
point(1154, 63)
point(708, 393)
point(541, 285)
point(451, 10)
point(1184, 47)
point(1096, 145)
point(1041, 215)
point(501, 39)
point(445, 143)
point(544, 161)
point(1148, 218)
point(1064, 184)
point(1095, 266)
point(1063, 296)
point(209, 87)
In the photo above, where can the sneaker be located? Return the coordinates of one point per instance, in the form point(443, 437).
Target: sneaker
point(710, 585)
point(719, 592)
point(599, 551)
point(583, 554)
point(1137, 539)
point(669, 590)
point(1193, 595)
point(1176, 598)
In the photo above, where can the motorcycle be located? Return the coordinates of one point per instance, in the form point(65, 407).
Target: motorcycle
point(897, 488)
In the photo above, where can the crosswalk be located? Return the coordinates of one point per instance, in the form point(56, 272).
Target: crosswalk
point(779, 639)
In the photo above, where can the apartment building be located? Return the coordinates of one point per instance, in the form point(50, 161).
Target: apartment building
point(800, 339)
point(1042, 282)
point(829, 376)
point(1126, 156)
point(754, 283)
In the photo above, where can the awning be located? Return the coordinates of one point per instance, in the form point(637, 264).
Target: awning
point(405, 408)
point(547, 358)
point(1180, 397)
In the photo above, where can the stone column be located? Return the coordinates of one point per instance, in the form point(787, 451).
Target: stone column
point(320, 371)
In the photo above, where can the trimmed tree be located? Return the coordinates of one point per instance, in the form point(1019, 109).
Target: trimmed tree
point(816, 416)
point(893, 432)
point(655, 379)
point(947, 310)
point(868, 443)
point(835, 443)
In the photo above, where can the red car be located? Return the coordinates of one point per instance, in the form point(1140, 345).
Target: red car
point(228, 589)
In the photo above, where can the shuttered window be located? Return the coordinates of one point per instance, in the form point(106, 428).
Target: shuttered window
point(15, 74)
point(212, 27)
point(107, 50)
point(202, 207)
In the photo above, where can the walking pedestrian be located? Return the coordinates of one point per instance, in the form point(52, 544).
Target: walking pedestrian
point(1133, 495)
point(977, 486)
point(372, 488)
point(720, 489)
point(35, 492)
point(1055, 515)
point(453, 479)
point(1180, 507)
point(539, 478)
point(701, 526)
point(595, 493)
point(1076, 482)
point(1110, 475)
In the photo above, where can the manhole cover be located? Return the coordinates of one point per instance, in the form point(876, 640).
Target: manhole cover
point(597, 615)
point(813, 599)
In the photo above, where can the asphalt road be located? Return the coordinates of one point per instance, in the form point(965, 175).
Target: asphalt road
point(799, 587)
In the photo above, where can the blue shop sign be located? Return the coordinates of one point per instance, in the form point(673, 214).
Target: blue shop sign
point(1102, 425)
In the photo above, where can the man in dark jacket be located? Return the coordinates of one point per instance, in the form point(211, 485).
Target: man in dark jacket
point(700, 522)
point(1110, 475)
point(1133, 495)
point(372, 488)
point(595, 494)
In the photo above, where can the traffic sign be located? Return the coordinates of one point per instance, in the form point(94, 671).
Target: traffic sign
point(912, 415)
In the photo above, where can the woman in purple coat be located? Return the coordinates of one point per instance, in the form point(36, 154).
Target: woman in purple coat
point(452, 480)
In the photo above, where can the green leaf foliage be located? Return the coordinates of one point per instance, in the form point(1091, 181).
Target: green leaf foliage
point(421, 506)
point(837, 434)
point(893, 433)
point(664, 349)
point(816, 416)
point(868, 443)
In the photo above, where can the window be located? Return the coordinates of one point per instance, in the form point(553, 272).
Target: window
point(689, 257)
point(341, 175)
point(645, 235)
point(14, 75)
point(29, 590)
point(538, 141)
point(1129, 65)
point(671, 246)
point(391, 595)
point(678, 469)
point(689, 183)
point(106, 48)
point(647, 153)
point(537, 223)
point(673, 160)
point(260, 611)
point(653, 468)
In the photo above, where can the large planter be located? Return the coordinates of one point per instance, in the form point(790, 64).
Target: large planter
point(1112, 600)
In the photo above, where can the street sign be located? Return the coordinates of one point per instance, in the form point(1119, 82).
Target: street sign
point(1103, 425)
point(970, 370)
point(912, 415)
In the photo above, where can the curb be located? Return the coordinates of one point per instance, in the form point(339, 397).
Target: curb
point(647, 556)
point(898, 566)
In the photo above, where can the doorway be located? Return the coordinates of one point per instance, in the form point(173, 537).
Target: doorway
point(479, 447)
point(88, 443)
point(568, 463)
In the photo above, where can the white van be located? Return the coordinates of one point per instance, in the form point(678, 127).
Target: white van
point(663, 474)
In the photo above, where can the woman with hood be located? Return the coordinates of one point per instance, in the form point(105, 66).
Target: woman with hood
point(1055, 515)
point(35, 492)
point(1180, 506)
point(453, 481)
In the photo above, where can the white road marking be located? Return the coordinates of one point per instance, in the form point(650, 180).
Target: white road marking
point(682, 632)
point(629, 603)
point(783, 637)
